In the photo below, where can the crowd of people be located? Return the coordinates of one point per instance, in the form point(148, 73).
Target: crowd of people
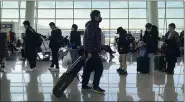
point(94, 43)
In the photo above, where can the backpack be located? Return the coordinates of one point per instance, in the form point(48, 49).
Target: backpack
point(38, 38)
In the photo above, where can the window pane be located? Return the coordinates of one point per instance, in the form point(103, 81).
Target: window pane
point(104, 13)
point(82, 4)
point(22, 13)
point(100, 4)
point(82, 13)
point(10, 4)
point(140, 4)
point(139, 25)
point(81, 23)
point(10, 13)
point(46, 4)
point(66, 32)
point(64, 4)
point(178, 22)
point(174, 4)
point(64, 24)
point(119, 4)
point(119, 13)
point(44, 31)
point(161, 4)
point(161, 13)
point(104, 24)
point(137, 13)
point(23, 4)
point(44, 23)
point(175, 13)
point(49, 13)
point(115, 23)
point(162, 24)
point(61, 13)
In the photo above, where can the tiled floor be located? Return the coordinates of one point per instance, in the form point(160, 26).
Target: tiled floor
point(17, 85)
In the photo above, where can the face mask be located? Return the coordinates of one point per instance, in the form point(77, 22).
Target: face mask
point(100, 20)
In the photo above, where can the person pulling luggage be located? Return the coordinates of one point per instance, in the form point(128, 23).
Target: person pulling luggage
point(55, 44)
point(92, 46)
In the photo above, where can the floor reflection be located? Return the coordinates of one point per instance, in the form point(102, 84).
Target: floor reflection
point(17, 85)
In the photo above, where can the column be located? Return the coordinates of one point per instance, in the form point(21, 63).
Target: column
point(152, 11)
point(30, 8)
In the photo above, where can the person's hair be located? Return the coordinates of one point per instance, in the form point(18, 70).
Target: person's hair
point(26, 23)
point(75, 26)
point(94, 13)
point(154, 27)
point(148, 25)
point(51, 24)
point(172, 25)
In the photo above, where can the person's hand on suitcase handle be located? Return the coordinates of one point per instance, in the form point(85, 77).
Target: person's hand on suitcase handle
point(89, 55)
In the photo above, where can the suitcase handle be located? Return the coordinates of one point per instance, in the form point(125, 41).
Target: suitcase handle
point(74, 64)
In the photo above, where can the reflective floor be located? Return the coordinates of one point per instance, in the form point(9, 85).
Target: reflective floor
point(17, 85)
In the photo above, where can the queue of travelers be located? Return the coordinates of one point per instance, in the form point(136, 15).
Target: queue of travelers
point(93, 44)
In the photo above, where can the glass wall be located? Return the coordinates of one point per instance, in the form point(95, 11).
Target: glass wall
point(131, 15)
point(170, 12)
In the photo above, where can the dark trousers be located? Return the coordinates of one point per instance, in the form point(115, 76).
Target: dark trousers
point(32, 61)
point(55, 56)
point(22, 53)
point(93, 64)
point(171, 61)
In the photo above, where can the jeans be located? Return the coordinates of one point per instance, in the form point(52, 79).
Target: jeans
point(55, 57)
point(93, 64)
point(151, 56)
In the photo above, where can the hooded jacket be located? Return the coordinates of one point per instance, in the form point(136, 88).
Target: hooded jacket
point(56, 38)
point(92, 37)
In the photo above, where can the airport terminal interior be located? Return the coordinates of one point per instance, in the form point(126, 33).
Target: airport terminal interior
point(16, 84)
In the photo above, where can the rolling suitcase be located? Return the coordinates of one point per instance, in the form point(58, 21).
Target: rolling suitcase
point(65, 80)
point(159, 63)
point(143, 65)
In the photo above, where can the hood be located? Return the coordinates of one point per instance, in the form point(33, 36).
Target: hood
point(87, 23)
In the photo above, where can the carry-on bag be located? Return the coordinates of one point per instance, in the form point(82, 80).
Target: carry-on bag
point(143, 65)
point(159, 63)
point(65, 80)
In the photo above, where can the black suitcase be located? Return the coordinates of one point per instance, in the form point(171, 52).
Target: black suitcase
point(65, 80)
point(159, 63)
point(143, 65)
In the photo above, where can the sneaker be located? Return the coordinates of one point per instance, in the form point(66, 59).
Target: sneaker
point(119, 69)
point(123, 72)
point(86, 88)
point(98, 90)
point(54, 70)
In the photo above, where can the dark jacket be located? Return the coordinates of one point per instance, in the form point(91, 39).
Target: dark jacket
point(151, 40)
point(92, 37)
point(75, 39)
point(12, 37)
point(56, 38)
point(3, 45)
point(30, 43)
point(123, 44)
point(172, 43)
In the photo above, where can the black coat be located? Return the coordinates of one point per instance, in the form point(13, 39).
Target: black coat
point(56, 38)
point(151, 40)
point(3, 45)
point(75, 39)
point(123, 44)
point(92, 37)
point(30, 43)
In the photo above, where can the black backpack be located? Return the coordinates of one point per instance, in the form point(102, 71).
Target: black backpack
point(38, 38)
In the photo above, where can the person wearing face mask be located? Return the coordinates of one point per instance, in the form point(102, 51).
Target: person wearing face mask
point(150, 38)
point(92, 46)
point(75, 38)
